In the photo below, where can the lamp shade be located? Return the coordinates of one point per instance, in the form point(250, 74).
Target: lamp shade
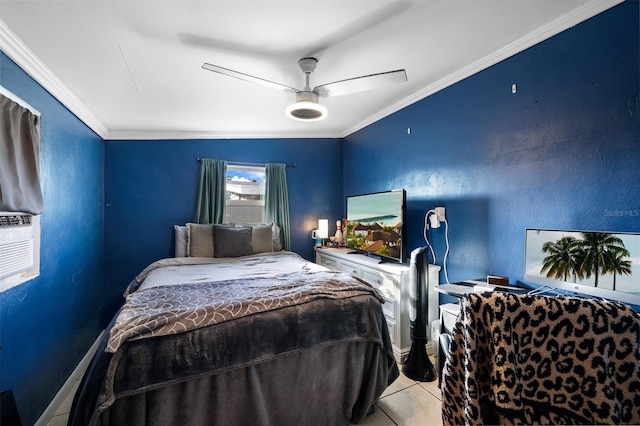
point(323, 228)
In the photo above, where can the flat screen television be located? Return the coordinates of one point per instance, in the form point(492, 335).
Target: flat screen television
point(375, 224)
point(600, 264)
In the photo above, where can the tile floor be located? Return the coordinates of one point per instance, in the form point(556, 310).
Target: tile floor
point(405, 402)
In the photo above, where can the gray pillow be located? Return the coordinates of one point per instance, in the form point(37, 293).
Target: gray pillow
point(232, 242)
point(261, 238)
point(276, 238)
point(275, 246)
point(181, 234)
point(200, 240)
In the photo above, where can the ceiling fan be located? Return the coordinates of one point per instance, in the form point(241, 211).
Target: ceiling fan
point(306, 107)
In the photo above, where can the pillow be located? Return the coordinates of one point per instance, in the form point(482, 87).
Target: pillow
point(180, 232)
point(200, 240)
point(261, 238)
point(276, 238)
point(231, 242)
point(259, 245)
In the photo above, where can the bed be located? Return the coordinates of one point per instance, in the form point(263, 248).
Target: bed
point(263, 337)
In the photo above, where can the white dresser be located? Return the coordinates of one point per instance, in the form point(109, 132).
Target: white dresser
point(391, 279)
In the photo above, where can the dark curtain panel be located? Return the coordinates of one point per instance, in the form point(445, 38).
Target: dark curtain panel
point(277, 201)
point(19, 159)
point(211, 192)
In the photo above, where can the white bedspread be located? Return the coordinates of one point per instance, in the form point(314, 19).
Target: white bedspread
point(181, 270)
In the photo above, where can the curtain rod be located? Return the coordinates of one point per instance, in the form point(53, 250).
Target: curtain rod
point(249, 163)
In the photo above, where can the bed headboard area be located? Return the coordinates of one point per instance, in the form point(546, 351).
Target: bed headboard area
point(226, 240)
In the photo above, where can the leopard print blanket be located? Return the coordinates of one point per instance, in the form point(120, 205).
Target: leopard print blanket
point(524, 359)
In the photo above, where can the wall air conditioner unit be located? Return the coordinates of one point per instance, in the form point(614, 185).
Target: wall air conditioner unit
point(19, 248)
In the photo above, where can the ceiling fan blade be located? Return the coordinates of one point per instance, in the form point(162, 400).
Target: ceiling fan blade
point(246, 77)
point(359, 84)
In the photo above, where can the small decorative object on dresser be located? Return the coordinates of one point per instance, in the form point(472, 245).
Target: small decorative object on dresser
point(339, 237)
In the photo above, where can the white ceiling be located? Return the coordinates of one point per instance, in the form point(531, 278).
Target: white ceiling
point(131, 69)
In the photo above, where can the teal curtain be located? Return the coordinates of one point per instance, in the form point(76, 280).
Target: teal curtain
point(211, 191)
point(276, 201)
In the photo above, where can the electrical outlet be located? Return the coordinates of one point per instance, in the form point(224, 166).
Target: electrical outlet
point(440, 213)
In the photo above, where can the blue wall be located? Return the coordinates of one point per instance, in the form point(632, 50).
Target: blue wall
point(560, 153)
point(48, 323)
point(152, 185)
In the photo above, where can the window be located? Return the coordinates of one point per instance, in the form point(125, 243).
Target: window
point(244, 201)
point(20, 193)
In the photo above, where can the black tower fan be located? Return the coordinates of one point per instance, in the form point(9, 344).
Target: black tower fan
point(417, 365)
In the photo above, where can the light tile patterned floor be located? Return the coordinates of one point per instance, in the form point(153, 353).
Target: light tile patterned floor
point(405, 402)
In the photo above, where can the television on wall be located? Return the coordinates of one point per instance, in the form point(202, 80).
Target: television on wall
point(376, 224)
point(595, 263)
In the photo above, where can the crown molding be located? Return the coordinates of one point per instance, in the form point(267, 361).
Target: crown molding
point(169, 135)
point(14, 48)
point(555, 27)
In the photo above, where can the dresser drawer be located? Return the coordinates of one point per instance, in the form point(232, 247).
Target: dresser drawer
point(384, 283)
point(388, 308)
point(328, 262)
point(349, 268)
point(391, 326)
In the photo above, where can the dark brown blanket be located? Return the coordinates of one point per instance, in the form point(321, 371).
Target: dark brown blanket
point(174, 309)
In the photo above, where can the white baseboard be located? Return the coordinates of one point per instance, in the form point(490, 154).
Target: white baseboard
point(76, 375)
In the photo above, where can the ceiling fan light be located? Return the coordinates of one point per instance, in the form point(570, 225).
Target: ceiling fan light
point(306, 111)
point(306, 108)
